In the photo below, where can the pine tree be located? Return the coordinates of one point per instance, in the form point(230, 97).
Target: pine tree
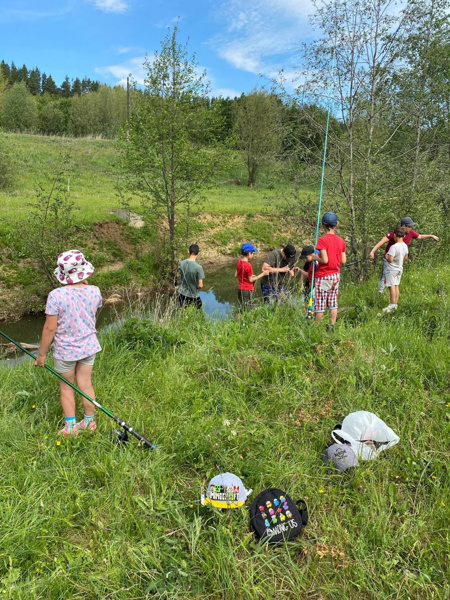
point(76, 87)
point(34, 82)
point(50, 86)
point(66, 91)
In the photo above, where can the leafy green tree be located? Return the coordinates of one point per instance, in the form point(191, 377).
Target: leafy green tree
point(258, 130)
point(166, 163)
point(354, 61)
point(19, 110)
point(423, 95)
point(51, 119)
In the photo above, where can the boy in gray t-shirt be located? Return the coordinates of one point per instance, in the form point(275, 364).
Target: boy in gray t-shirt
point(192, 276)
point(394, 268)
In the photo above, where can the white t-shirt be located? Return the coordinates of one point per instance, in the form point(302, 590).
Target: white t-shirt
point(398, 251)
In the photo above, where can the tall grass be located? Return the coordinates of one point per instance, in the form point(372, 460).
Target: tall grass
point(257, 396)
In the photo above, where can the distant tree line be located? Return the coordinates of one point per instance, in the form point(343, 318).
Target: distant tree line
point(38, 83)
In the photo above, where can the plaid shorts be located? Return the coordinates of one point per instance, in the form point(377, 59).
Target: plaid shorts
point(326, 292)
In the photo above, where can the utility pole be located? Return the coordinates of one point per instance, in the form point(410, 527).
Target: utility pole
point(128, 107)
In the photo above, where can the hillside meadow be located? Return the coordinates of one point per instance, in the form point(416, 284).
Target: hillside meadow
point(95, 172)
point(258, 396)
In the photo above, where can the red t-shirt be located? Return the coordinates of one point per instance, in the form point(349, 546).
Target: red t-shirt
point(411, 235)
point(244, 271)
point(335, 246)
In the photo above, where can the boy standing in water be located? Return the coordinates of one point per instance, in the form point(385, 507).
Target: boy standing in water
point(192, 277)
point(394, 269)
point(70, 321)
point(244, 273)
point(326, 277)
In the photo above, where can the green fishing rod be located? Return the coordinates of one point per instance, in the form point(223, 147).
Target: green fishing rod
point(121, 436)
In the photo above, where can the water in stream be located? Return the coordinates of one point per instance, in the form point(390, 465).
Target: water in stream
point(218, 296)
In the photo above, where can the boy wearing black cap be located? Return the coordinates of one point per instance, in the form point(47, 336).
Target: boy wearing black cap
point(407, 223)
point(277, 266)
point(309, 255)
point(244, 273)
point(326, 278)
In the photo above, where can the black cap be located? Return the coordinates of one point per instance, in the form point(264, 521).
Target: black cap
point(289, 251)
point(306, 251)
point(407, 222)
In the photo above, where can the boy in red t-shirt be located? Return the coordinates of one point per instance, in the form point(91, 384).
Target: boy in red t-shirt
point(244, 273)
point(326, 277)
point(407, 223)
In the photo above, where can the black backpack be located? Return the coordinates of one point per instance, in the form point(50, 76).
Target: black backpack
point(275, 518)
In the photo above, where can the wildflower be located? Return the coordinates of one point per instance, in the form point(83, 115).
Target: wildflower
point(233, 432)
point(442, 503)
point(58, 443)
point(321, 491)
point(34, 406)
point(448, 404)
point(46, 437)
point(226, 423)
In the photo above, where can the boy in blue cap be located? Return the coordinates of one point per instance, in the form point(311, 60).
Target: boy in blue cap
point(326, 277)
point(244, 273)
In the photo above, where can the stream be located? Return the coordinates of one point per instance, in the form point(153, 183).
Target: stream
point(219, 295)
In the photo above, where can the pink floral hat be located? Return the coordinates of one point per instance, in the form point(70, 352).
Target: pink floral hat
point(72, 267)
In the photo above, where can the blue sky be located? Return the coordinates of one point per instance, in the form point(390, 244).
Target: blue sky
point(236, 41)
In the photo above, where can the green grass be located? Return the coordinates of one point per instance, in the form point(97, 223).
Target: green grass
point(95, 174)
point(85, 520)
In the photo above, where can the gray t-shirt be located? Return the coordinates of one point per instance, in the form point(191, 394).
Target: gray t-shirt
point(276, 260)
point(398, 251)
point(191, 272)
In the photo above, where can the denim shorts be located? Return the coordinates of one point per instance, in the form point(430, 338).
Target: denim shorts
point(65, 366)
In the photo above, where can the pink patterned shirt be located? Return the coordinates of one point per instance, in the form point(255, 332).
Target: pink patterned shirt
point(76, 307)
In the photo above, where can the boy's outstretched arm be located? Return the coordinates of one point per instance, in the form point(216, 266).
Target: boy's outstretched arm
point(428, 236)
point(375, 248)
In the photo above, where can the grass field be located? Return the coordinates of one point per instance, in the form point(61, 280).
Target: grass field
point(257, 396)
point(95, 172)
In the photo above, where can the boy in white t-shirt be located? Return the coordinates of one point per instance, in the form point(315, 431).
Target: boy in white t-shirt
point(394, 268)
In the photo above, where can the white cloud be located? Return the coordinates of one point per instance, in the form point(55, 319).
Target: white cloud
point(224, 93)
point(112, 6)
point(262, 36)
point(120, 72)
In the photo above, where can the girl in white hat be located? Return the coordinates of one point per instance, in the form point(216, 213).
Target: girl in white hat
point(70, 323)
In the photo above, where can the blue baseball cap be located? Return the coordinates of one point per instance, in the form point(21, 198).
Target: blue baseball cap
point(407, 222)
point(248, 248)
point(330, 219)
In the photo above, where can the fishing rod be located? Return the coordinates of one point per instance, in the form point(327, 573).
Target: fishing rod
point(122, 436)
point(356, 262)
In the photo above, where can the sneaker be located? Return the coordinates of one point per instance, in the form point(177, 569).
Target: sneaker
point(92, 425)
point(389, 309)
point(329, 327)
point(65, 431)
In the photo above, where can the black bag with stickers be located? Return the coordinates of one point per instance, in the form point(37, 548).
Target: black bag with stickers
point(275, 518)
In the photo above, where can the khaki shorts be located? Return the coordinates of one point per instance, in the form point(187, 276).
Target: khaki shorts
point(393, 278)
point(65, 366)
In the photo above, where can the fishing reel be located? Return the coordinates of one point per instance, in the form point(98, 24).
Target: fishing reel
point(120, 437)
